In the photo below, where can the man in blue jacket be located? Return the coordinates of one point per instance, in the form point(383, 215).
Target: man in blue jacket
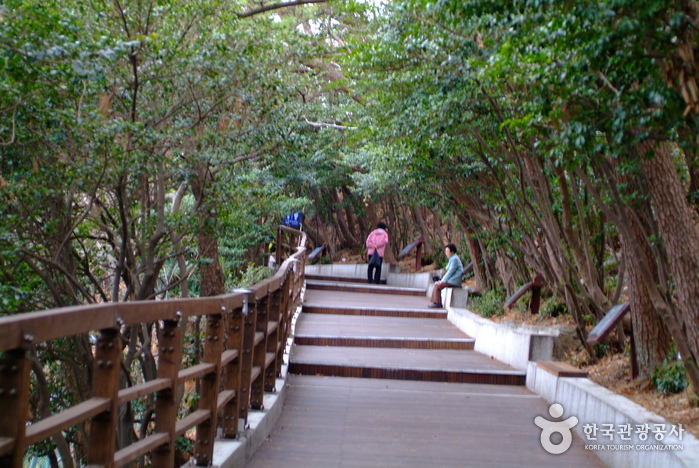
point(452, 276)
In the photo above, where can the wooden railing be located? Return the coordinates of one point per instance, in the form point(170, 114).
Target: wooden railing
point(415, 245)
point(243, 347)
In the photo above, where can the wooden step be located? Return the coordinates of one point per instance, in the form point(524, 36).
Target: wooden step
point(376, 311)
point(382, 342)
point(403, 364)
point(363, 288)
point(379, 332)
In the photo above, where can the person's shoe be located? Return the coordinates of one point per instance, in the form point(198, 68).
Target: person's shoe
point(435, 306)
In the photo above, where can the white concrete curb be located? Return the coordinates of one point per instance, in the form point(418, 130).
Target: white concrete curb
point(599, 408)
point(515, 346)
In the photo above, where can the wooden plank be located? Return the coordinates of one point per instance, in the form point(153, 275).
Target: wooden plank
point(519, 293)
point(143, 446)
point(14, 404)
point(272, 326)
point(54, 424)
point(375, 311)
point(37, 327)
point(196, 371)
point(561, 369)
point(269, 359)
point(364, 423)
point(233, 300)
point(608, 322)
point(105, 384)
point(191, 420)
point(224, 397)
point(259, 336)
point(248, 345)
point(255, 372)
point(6, 444)
point(232, 373)
point(228, 356)
point(143, 389)
point(209, 390)
point(166, 403)
point(378, 342)
point(409, 248)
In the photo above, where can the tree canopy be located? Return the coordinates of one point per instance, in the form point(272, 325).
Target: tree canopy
point(148, 150)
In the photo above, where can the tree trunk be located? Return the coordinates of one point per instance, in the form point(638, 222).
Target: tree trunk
point(679, 231)
point(476, 258)
point(651, 337)
point(210, 270)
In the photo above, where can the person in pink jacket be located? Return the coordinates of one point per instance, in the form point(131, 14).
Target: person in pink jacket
point(376, 241)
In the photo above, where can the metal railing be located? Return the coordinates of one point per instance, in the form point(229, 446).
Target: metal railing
point(243, 346)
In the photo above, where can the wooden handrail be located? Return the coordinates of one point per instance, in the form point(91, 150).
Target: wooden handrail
point(535, 286)
point(263, 313)
point(320, 250)
point(415, 245)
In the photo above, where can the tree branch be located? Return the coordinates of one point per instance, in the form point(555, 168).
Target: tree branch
point(276, 6)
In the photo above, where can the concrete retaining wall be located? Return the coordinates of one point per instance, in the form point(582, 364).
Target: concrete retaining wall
point(342, 269)
point(595, 406)
point(391, 273)
point(510, 344)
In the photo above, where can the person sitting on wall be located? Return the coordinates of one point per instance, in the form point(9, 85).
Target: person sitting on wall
point(452, 276)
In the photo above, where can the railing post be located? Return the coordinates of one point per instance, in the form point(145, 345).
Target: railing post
point(250, 313)
point(418, 258)
point(169, 360)
point(273, 339)
point(105, 383)
point(206, 431)
point(260, 349)
point(232, 374)
point(535, 301)
point(14, 401)
point(278, 252)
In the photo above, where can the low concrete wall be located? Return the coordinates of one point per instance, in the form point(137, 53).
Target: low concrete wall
point(391, 273)
point(513, 345)
point(410, 280)
point(597, 407)
point(341, 269)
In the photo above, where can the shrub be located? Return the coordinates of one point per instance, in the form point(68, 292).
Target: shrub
point(489, 304)
point(670, 376)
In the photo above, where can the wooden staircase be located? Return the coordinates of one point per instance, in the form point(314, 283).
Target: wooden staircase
point(350, 329)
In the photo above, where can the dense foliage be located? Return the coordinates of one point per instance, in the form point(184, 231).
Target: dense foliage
point(148, 149)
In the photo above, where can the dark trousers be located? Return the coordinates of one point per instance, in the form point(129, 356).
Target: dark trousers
point(376, 270)
point(437, 292)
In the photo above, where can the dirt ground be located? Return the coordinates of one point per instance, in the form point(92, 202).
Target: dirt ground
point(613, 371)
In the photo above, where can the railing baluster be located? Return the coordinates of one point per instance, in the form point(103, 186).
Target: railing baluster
point(246, 358)
point(232, 374)
point(260, 349)
point(105, 384)
point(206, 431)
point(273, 340)
point(14, 401)
point(169, 359)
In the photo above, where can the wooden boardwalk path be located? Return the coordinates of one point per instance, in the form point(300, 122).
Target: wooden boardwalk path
point(377, 379)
